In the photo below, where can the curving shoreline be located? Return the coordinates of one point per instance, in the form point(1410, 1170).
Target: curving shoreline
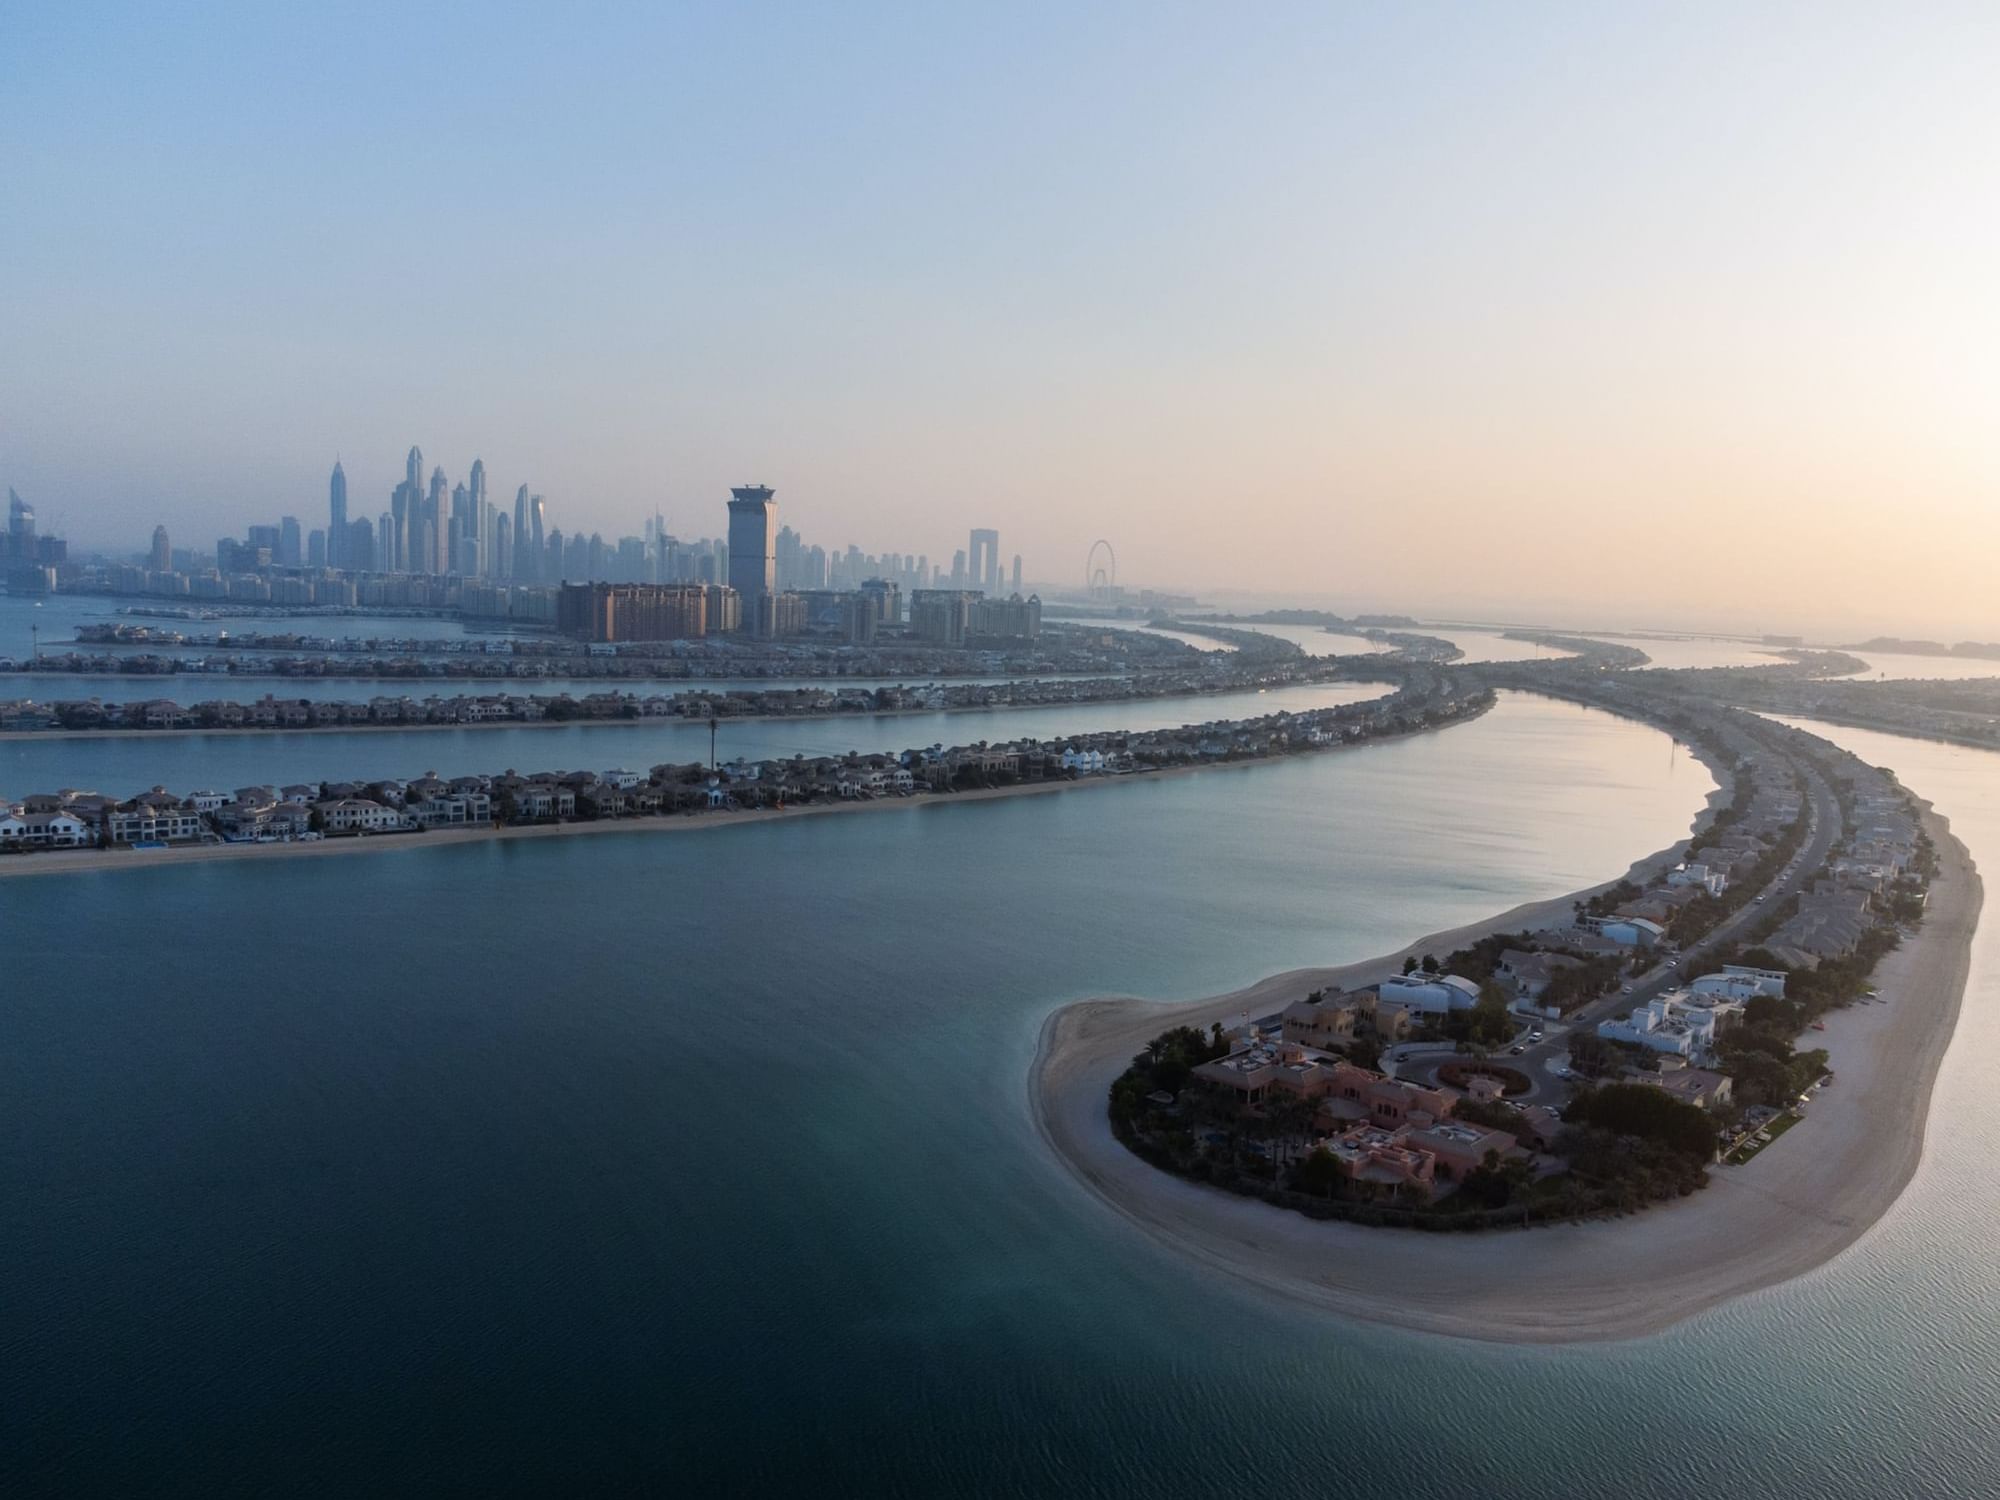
point(656, 721)
point(1781, 1215)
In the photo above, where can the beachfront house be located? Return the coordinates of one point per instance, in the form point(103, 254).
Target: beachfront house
point(1430, 994)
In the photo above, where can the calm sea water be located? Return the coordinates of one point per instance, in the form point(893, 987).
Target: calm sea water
point(1895, 666)
point(58, 615)
point(1665, 651)
point(702, 1163)
point(200, 688)
point(1491, 645)
point(132, 761)
point(1316, 642)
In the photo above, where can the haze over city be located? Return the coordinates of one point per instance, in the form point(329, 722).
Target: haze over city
point(1475, 310)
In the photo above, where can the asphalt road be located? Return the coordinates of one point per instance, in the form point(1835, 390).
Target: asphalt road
point(1823, 828)
point(1541, 1060)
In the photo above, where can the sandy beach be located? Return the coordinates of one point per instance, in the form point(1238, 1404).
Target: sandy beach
point(1787, 1211)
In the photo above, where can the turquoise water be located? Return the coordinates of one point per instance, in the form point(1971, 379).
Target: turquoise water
point(703, 1162)
point(128, 762)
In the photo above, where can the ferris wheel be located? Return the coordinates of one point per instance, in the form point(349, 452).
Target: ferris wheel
point(1100, 576)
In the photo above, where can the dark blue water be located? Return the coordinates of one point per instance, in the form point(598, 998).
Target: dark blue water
point(701, 1163)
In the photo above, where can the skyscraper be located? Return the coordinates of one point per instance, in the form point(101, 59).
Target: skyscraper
point(20, 523)
point(1017, 572)
point(536, 544)
point(336, 530)
point(437, 514)
point(163, 555)
point(391, 549)
point(406, 517)
point(753, 545)
point(983, 560)
point(291, 542)
point(476, 527)
point(524, 568)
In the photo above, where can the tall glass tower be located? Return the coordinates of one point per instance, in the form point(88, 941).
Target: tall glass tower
point(753, 546)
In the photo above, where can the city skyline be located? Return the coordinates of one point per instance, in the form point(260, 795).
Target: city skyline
point(1477, 314)
point(435, 531)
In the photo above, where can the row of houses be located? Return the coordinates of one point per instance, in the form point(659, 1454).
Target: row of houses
point(70, 818)
point(274, 711)
point(1850, 899)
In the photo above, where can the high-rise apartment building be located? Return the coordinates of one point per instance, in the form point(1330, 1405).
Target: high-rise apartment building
point(437, 522)
point(162, 560)
point(753, 544)
point(632, 611)
point(336, 517)
point(942, 617)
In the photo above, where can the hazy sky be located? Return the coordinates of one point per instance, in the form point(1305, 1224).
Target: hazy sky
point(1672, 314)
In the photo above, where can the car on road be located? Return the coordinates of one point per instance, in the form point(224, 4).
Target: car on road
point(1626, 991)
point(1516, 1050)
point(1563, 1072)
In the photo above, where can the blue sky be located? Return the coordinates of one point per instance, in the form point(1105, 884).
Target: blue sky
point(1197, 278)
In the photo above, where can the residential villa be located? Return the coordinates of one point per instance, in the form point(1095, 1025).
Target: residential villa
point(1458, 1146)
point(1332, 1022)
point(1702, 1087)
point(1736, 982)
point(1626, 932)
point(1678, 1022)
point(1368, 1153)
point(153, 817)
point(20, 829)
point(1700, 877)
point(1430, 994)
point(1383, 1131)
point(359, 815)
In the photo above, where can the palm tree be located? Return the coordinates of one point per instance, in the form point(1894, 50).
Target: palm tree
point(1290, 1116)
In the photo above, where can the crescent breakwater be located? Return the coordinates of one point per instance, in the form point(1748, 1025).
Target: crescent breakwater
point(326, 815)
point(1775, 1217)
